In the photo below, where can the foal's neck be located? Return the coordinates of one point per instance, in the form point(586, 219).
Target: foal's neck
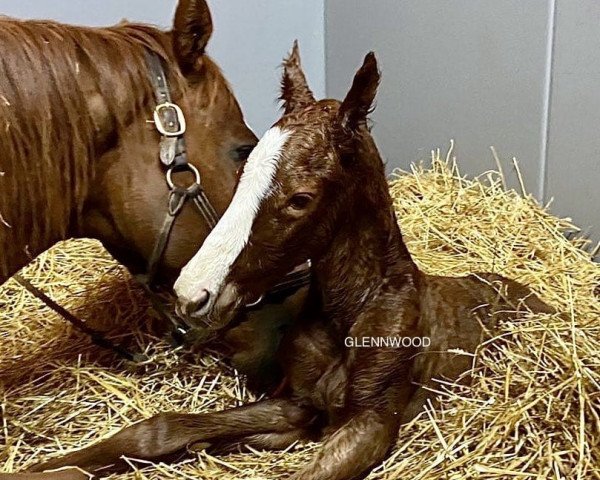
point(367, 257)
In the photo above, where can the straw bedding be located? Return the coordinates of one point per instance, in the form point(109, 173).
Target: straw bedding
point(532, 410)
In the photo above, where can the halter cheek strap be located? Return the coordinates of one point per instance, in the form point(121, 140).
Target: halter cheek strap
point(169, 121)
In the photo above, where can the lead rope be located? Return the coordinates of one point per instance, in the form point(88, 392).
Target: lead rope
point(96, 336)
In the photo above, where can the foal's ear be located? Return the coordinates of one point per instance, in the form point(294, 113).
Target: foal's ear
point(192, 28)
point(295, 92)
point(359, 100)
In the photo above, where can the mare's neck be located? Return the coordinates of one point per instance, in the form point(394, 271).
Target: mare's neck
point(367, 258)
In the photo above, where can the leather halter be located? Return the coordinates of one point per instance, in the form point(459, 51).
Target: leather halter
point(170, 123)
point(169, 120)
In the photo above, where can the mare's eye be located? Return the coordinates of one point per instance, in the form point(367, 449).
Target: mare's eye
point(300, 201)
point(242, 153)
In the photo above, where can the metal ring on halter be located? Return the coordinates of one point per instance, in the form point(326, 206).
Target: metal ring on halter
point(181, 168)
point(256, 302)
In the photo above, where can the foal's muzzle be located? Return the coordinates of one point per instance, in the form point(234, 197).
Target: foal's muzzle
point(208, 309)
point(195, 307)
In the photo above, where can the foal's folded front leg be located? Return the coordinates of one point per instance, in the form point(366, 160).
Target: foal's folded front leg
point(353, 449)
point(169, 433)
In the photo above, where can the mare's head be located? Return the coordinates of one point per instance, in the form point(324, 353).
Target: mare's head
point(299, 185)
point(78, 155)
point(129, 200)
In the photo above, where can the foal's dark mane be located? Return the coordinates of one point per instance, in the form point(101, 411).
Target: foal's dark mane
point(55, 82)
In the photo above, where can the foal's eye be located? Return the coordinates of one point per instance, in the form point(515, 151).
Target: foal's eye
point(242, 153)
point(300, 201)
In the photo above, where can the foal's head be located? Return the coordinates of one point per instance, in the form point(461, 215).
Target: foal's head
point(298, 186)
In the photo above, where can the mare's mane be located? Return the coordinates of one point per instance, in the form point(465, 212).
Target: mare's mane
point(54, 79)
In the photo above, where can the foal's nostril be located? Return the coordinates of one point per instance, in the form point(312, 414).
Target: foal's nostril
point(189, 307)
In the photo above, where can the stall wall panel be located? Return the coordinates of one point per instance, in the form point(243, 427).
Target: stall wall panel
point(470, 70)
point(252, 39)
point(573, 169)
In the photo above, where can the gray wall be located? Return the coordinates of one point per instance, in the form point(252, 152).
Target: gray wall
point(523, 76)
point(250, 39)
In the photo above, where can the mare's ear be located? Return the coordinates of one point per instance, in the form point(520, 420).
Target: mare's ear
point(192, 29)
point(359, 100)
point(295, 92)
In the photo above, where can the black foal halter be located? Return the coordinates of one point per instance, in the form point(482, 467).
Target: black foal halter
point(169, 120)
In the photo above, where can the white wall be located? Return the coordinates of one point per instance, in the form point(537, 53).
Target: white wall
point(250, 40)
point(471, 70)
point(573, 166)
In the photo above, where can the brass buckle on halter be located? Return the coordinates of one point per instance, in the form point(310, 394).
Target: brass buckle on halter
point(174, 111)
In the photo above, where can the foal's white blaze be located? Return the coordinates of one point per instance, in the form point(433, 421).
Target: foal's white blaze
point(211, 264)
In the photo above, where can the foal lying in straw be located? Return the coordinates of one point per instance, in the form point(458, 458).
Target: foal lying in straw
point(315, 188)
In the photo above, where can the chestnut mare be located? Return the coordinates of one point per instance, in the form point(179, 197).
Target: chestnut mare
point(315, 187)
point(78, 157)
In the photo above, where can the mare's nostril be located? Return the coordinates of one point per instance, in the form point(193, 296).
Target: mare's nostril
point(192, 306)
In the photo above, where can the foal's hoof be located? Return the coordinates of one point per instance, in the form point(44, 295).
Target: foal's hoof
point(198, 447)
